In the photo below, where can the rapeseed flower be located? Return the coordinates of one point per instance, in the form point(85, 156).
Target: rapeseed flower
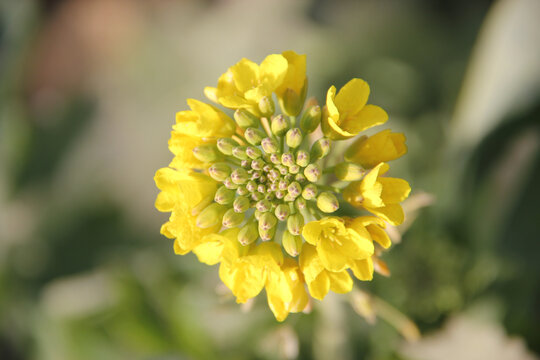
point(258, 196)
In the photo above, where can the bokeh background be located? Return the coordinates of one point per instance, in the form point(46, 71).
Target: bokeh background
point(88, 93)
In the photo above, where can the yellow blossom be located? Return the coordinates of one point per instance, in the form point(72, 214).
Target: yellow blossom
point(292, 92)
point(346, 114)
point(379, 195)
point(382, 147)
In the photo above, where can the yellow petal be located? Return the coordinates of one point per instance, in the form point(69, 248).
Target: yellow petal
point(320, 286)
point(340, 282)
point(379, 235)
point(312, 232)
point(209, 252)
point(381, 147)
point(331, 257)
point(296, 73)
point(309, 262)
point(273, 70)
point(392, 213)
point(357, 246)
point(352, 97)
point(363, 269)
point(369, 116)
point(394, 190)
point(330, 123)
point(245, 74)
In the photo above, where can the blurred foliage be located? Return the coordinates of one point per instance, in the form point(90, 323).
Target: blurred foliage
point(84, 113)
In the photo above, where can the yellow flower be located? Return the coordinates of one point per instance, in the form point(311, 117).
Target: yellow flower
point(336, 244)
point(320, 280)
point(382, 147)
point(379, 195)
point(246, 83)
point(292, 92)
point(346, 114)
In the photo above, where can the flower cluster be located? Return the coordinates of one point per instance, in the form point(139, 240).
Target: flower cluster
point(255, 193)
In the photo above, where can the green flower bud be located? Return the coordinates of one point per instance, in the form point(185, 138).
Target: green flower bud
point(282, 211)
point(239, 152)
point(300, 177)
point(287, 159)
point(302, 158)
point(248, 233)
point(320, 149)
point(256, 196)
point(229, 184)
point(257, 164)
point(240, 176)
point(311, 119)
point(253, 136)
point(279, 125)
point(312, 172)
point(241, 204)
point(211, 215)
point(294, 169)
point(263, 205)
point(207, 153)
point(293, 138)
point(269, 145)
point(232, 218)
point(294, 189)
point(292, 102)
point(266, 106)
point(245, 119)
point(349, 171)
point(327, 202)
point(241, 190)
point(309, 192)
point(289, 197)
point(291, 243)
point(295, 223)
point(253, 152)
point(300, 203)
point(267, 234)
point(226, 145)
point(267, 220)
point(251, 186)
point(224, 196)
point(219, 171)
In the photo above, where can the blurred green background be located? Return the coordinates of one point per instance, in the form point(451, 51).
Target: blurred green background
point(88, 93)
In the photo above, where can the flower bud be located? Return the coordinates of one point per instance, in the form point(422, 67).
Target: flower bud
point(295, 223)
point(253, 152)
point(229, 184)
point(263, 205)
point(311, 119)
point(245, 119)
point(282, 169)
point(211, 215)
point(206, 153)
point(312, 172)
point(266, 106)
point(293, 138)
point(280, 194)
point(327, 202)
point(292, 102)
point(241, 204)
point(253, 136)
point(256, 196)
point(291, 243)
point(267, 234)
point(232, 218)
point(287, 159)
point(261, 188)
point(320, 149)
point(241, 190)
point(226, 145)
point(267, 220)
point(349, 171)
point(239, 152)
point(302, 158)
point(282, 211)
point(248, 233)
point(257, 164)
point(224, 196)
point(279, 125)
point(309, 192)
point(269, 145)
point(251, 186)
point(294, 189)
point(219, 171)
point(300, 203)
point(294, 169)
point(275, 159)
point(240, 176)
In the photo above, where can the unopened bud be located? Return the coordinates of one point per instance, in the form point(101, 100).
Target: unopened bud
point(295, 223)
point(232, 218)
point(275, 159)
point(309, 192)
point(269, 145)
point(229, 184)
point(280, 194)
point(245, 119)
point(239, 152)
point(311, 119)
point(267, 234)
point(300, 203)
point(253, 152)
point(261, 188)
point(300, 178)
point(312, 172)
point(257, 164)
point(320, 149)
point(282, 211)
point(291, 243)
point(240, 176)
point(294, 189)
point(287, 159)
point(251, 186)
point(248, 233)
point(294, 169)
point(282, 169)
point(294, 138)
point(263, 205)
point(256, 196)
point(267, 220)
point(211, 215)
point(226, 145)
point(291, 102)
point(349, 171)
point(219, 171)
point(302, 158)
point(224, 196)
point(253, 136)
point(279, 125)
point(266, 106)
point(327, 202)
point(241, 204)
point(241, 190)
point(206, 153)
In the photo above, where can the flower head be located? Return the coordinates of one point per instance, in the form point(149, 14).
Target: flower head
point(256, 194)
